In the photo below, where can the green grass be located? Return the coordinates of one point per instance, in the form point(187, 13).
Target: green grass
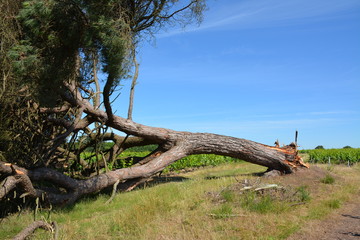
point(261, 204)
point(229, 196)
point(333, 203)
point(224, 211)
point(184, 210)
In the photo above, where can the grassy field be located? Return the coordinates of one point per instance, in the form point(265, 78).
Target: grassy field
point(204, 204)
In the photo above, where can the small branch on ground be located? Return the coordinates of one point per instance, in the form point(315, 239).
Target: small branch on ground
point(26, 232)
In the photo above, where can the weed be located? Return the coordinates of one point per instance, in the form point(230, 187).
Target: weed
point(303, 193)
point(333, 204)
point(114, 229)
point(261, 203)
point(287, 229)
point(328, 179)
point(224, 211)
point(196, 205)
point(324, 208)
point(228, 195)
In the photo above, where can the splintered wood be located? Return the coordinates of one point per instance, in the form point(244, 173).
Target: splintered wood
point(291, 150)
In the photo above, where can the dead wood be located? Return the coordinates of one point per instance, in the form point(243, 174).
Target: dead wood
point(26, 232)
point(172, 146)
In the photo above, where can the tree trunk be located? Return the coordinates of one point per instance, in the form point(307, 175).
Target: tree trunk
point(174, 145)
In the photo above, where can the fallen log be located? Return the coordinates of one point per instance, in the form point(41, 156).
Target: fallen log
point(175, 145)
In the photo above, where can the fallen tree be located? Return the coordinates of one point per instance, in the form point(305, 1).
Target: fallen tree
point(173, 145)
point(54, 111)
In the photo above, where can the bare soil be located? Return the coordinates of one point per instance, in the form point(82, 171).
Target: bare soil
point(343, 223)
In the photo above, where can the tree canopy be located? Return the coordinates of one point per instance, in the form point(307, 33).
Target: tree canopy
point(60, 40)
point(49, 44)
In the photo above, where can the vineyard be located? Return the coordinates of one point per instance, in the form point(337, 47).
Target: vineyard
point(334, 156)
point(128, 157)
point(192, 161)
point(347, 156)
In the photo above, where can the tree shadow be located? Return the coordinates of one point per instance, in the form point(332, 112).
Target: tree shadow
point(350, 216)
point(257, 174)
point(155, 181)
point(351, 234)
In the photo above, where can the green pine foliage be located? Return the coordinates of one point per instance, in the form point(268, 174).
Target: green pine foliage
point(49, 47)
point(58, 36)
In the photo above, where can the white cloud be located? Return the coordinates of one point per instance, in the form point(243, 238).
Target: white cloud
point(268, 13)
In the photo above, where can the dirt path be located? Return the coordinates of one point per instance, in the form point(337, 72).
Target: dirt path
point(343, 224)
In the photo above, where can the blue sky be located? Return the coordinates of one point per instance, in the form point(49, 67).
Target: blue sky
point(259, 70)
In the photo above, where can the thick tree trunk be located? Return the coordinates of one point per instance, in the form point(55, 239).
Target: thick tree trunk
point(174, 145)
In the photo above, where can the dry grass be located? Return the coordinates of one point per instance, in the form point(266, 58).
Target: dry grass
point(184, 210)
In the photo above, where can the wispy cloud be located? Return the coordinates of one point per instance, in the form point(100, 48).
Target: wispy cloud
point(188, 115)
point(266, 118)
point(257, 128)
point(331, 113)
point(266, 13)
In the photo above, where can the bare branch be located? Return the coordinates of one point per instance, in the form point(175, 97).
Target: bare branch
point(106, 94)
point(96, 98)
point(25, 233)
point(133, 83)
point(179, 10)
